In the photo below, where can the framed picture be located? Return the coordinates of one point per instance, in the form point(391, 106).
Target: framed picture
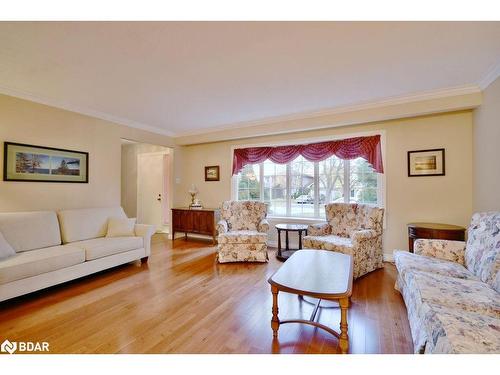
point(426, 163)
point(23, 162)
point(212, 173)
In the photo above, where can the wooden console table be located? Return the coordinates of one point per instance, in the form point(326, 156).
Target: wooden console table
point(434, 231)
point(197, 221)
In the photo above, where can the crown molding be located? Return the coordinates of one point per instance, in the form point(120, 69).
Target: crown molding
point(490, 77)
point(407, 106)
point(382, 103)
point(81, 110)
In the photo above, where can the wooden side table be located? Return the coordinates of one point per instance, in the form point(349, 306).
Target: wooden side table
point(198, 221)
point(434, 231)
point(299, 228)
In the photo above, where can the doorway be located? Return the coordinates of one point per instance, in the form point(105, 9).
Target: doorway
point(146, 184)
point(152, 185)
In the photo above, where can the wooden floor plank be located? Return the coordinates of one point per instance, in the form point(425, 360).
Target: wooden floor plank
point(182, 301)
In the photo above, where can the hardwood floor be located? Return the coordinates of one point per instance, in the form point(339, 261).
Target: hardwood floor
point(182, 301)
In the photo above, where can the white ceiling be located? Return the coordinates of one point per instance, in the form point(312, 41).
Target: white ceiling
point(182, 77)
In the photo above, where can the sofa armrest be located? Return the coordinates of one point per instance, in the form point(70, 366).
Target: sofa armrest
point(358, 236)
point(321, 229)
point(443, 249)
point(145, 231)
point(222, 226)
point(263, 226)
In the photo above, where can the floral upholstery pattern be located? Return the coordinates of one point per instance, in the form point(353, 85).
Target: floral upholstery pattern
point(454, 308)
point(331, 242)
point(235, 252)
point(452, 331)
point(467, 295)
point(482, 254)
point(243, 236)
point(408, 262)
point(322, 229)
point(222, 227)
point(243, 215)
point(442, 249)
point(353, 229)
point(242, 232)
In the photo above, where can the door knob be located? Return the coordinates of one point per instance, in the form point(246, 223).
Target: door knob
point(159, 198)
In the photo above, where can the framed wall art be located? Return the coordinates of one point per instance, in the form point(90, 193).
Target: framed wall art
point(23, 162)
point(426, 163)
point(212, 173)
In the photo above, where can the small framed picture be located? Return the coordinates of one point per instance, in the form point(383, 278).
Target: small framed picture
point(426, 163)
point(33, 163)
point(212, 173)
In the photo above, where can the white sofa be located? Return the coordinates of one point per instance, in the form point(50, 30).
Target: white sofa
point(52, 248)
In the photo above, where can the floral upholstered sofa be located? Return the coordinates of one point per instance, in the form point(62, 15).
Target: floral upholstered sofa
point(451, 290)
point(243, 232)
point(353, 229)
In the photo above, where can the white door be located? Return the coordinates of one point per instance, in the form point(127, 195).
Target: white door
point(151, 189)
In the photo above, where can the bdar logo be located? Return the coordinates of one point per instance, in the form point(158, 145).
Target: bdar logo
point(8, 347)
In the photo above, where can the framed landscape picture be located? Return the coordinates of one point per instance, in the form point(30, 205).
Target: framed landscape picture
point(23, 162)
point(212, 173)
point(426, 163)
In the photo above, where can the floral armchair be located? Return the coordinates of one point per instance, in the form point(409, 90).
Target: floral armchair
point(353, 229)
point(243, 232)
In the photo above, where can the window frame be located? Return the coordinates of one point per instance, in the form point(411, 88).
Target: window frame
point(381, 177)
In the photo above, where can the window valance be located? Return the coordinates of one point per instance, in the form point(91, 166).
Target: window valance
point(368, 148)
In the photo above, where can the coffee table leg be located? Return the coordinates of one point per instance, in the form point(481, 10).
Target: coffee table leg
point(275, 322)
point(344, 337)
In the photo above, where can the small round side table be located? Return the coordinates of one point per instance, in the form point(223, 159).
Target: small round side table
point(436, 231)
point(287, 253)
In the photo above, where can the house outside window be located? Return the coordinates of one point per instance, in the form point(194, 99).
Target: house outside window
point(300, 188)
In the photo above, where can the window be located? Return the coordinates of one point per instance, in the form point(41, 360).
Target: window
point(301, 188)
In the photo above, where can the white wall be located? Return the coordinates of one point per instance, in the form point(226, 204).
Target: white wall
point(487, 151)
point(27, 122)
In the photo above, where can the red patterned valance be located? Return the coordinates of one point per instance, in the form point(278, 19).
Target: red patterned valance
point(366, 147)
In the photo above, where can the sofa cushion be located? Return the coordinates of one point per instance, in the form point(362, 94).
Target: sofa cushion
point(5, 249)
point(30, 230)
point(482, 253)
point(406, 261)
point(120, 227)
point(330, 242)
point(36, 262)
point(461, 294)
point(453, 331)
point(87, 223)
point(105, 246)
point(243, 236)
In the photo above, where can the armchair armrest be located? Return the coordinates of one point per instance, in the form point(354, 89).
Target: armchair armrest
point(222, 226)
point(442, 249)
point(321, 229)
point(263, 226)
point(363, 235)
point(145, 231)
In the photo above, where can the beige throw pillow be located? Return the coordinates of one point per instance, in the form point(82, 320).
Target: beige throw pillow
point(5, 249)
point(118, 227)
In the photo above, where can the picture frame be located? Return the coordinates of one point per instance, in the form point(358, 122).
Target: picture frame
point(33, 163)
point(212, 173)
point(422, 163)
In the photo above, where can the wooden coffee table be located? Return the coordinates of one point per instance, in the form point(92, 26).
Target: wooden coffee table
point(320, 274)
